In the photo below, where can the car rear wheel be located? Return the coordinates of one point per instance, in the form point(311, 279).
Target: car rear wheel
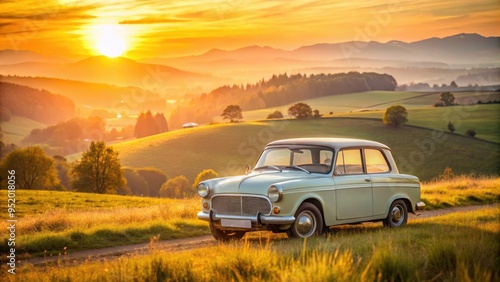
point(398, 214)
point(308, 222)
point(226, 235)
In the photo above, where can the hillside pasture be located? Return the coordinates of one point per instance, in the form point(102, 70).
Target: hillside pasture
point(375, 100)
point(227, 148)
point(17, 128)
point(484, 119)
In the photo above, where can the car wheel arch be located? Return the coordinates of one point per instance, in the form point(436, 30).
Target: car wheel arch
point(405, 199)
point(317, 203)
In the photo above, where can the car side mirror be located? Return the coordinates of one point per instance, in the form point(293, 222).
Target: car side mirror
point(247, 169)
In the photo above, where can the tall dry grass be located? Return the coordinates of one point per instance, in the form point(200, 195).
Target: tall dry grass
point(454, 247)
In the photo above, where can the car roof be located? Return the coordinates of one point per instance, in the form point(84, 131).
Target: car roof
point(335, 143)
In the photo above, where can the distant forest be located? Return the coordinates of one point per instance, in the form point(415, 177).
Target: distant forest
point(277, 91)
point(39, 105)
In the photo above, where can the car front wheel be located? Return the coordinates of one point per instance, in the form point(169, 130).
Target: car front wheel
point(308, 222)
point(398, 214)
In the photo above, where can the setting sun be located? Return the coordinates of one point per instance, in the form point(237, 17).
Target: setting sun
point(110, 40)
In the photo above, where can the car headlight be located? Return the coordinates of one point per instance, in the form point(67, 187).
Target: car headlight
point(275, 193)
point(203, 190)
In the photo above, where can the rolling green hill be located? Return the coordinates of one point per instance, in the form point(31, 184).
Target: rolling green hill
point(484, 119)
point(227, 148)
point(17, 128)
point(375, 100)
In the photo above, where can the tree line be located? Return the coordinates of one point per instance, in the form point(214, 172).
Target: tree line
point(74, 135)
point(276, 91)
point(98, 171)
point(38, 105)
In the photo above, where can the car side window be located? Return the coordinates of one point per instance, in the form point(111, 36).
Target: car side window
point(375, 161)
point(349, 162)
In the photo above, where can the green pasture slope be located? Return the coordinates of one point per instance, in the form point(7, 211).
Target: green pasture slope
point(375, 100)
point(484, 119)
point(17, 128)
point(227, 148)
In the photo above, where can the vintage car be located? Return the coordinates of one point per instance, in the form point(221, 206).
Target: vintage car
point(302, 186)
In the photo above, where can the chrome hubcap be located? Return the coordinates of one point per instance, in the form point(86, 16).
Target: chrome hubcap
point(397, 217)
point(306, 224)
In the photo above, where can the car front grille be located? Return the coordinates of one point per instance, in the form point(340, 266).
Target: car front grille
point(241, 205)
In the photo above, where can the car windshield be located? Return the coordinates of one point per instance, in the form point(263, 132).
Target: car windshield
point(306, 159)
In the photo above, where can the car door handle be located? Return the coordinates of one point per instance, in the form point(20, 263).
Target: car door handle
point(368, 179)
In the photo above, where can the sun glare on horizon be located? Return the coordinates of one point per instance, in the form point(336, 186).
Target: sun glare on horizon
point(110, 40)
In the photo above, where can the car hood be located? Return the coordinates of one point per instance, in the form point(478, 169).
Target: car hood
point(255, 182)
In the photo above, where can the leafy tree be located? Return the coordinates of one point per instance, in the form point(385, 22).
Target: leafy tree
point(300, 110)
point(161, 122)
point(453, 84)
point(177, 187)
point(232, 112)
point(276, 114)
point(69, 134)
point(317, 114)
point(145, 125)
point(447, 98)
point(5, 149)
point(34, 168)
point(99, 171)
point(63, 170)
point(155, 179)
point(451, 127)
point(204, 175)
point(136, 183)
point(395, 116)
point(470, 133)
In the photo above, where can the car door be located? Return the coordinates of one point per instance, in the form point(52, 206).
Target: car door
point(383, 182)
point(353, 188)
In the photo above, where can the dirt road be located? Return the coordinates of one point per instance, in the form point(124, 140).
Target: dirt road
point(186, 244)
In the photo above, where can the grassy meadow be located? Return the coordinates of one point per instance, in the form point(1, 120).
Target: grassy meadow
point(52, 222)
point(484, 119)
point(227, 148)
point(17, 128)
point(455, 247)
point(375, 100)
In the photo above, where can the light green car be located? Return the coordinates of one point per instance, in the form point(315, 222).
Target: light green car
point(302, 186)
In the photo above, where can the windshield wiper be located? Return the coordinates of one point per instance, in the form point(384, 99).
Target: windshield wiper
point(268, 166)
point(299, 168)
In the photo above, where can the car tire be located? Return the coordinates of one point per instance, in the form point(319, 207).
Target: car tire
point(226, 235)
point(308, 222)
point(398, 214)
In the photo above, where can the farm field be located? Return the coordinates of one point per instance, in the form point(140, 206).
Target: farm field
point(18, 128)
point(484, 119)
point(425, 250)
point(227, 148)
point(53, 222)
point(374, 100)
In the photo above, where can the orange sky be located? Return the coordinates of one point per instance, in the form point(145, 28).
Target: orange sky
point(162, 28)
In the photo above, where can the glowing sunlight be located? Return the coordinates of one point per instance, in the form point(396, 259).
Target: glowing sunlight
point(111, 40)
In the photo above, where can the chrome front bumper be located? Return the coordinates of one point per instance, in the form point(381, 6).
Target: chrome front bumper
point(257, 219)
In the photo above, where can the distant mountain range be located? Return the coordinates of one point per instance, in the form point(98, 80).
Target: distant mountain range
point(433, 60)
point(453, 55)
point(119, 71)
point(454, 50)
